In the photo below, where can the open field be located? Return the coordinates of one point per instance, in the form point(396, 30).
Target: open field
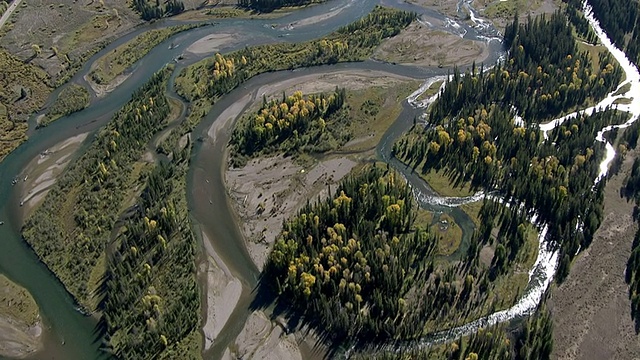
point(591, 309)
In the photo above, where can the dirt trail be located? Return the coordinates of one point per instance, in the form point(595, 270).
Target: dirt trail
point(591, 309)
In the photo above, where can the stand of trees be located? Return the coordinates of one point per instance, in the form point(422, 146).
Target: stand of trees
point(151, 301)
point(150, 10)
point(530, 340)
point(348, 262)
point(72, 227)
point(297, 123)
point(202, 85)
point(474, 136)
point(270, 5)
point(357, 269)
point(620, 20)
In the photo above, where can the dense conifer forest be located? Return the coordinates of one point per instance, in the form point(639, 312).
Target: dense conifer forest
point(473, 136)
point(150, 10)
point(71, 229)
point(151, 301)
point(620, 20)
point(530, 340)
point(270, 5)
point(337, 262)
point(296, 123)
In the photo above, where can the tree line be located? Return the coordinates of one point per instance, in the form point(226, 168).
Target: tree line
point(270, 5)
point(620, 20)
point(202, 85)
point(150, 10)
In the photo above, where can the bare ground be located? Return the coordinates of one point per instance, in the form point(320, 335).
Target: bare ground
point(419, 45)
point(20, 324)
point(591, 309)
point(43, 170)
point(280, 187)
point(265, 340)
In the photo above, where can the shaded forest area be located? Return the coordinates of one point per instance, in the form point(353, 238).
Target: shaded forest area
point(150, 10)
point(150, 300)
point(358, 269)
point(473, 136)
point(620, 20)
point(270, 5)
point(530, 340)
point(313, 123)
point(71, 229)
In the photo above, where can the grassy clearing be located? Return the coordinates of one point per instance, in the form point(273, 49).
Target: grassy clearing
point(373, 110)
point(16, 303)
point(441, 184)
point(109, 66)
point(71, 99)
point(448, 233)
point(432, 90)
point(473, 210)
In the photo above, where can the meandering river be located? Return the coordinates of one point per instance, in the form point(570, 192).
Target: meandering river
point(70, 335)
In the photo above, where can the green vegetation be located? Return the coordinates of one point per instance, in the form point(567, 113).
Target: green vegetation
point(71, 99)
point(530, 340)
point(24, 88)
point(109, 66)
point(620, 20)
point(16, 303)
point(201, 83)
point(337, 261)
point(71, 229)
point(151, 301)
point(474, 138)
point(270, 5)
point(150, 10)
point(298, 123)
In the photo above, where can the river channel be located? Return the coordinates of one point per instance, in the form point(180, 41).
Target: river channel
point(68, 334)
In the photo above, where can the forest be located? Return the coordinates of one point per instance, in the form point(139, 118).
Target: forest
point(71, 229)
point(336, 262)
point(270, 5)
point(151, 301)
point(202, 83)
point(150, 10)
point(620, 20)
point(296, 123)
point(473, 138)
point(529, 340)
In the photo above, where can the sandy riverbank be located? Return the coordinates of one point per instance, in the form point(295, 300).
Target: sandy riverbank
point(280, 187)
point(43, 170)
point(214, 42)
point(263, 339)
point(102, 90)
point(223, 292)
